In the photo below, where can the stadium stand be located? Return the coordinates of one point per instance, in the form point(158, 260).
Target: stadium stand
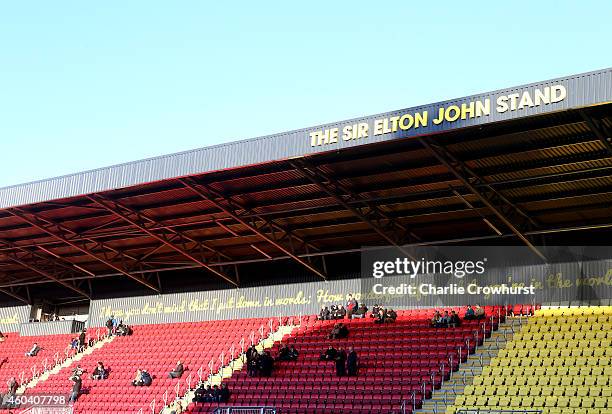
point(155, 348)
point(558, 363)
point(396, 360)
point(16, 364)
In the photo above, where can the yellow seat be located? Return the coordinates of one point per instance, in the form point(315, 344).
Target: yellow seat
point(589, 381)
point(468, 390)
point(532, 381)
point(538, 402)
point(493, 401)
point(566, 380)
point(481, 401)
point(511, 391)
point(523, 391)
point(546, 391)
point(527, 402)
point(601, 380)
point(534, 390)
point(521, 381)
point(576, 352)
point(460, 400)
point(558, 391)
point(550, 401)
point(578, 381)
point(594, 391)
point(478, 390)
point(471, 400)
point(562, 402)
point(587, 402)
point(504, 401)
point(570, 391)
point(601, 402)
point(514, 402)
point(543, 380)
point(604, 361)
point(582, 391)
point(547, 362)
point(574, 403)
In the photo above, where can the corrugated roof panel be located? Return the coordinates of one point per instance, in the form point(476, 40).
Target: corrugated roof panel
point(584, 90)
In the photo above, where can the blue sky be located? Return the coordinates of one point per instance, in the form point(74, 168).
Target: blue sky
point(90, 84)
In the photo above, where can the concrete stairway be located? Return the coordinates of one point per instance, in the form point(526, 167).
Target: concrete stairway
point(472, 367)
point(66, 363)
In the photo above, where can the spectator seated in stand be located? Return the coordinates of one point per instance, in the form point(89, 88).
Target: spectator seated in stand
point(479, 313)
point(265, 364)
point(99, 372)
point(137, 382)
point(391, 316)
point(360, 312)
point(123, 330)
point(77, 372)
point(329, 355)
point(2, 338)
point(201, 393)
point(178, 370)
point(436, 321)
point(325, 314)
point(469, 313)
point(382, 316)
point(455, 320)
point(147, 379)
point(375, 311)
point(224, 393)
point(34, 351)
point(339, 331)
point(293, 353)
point(287, 354)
